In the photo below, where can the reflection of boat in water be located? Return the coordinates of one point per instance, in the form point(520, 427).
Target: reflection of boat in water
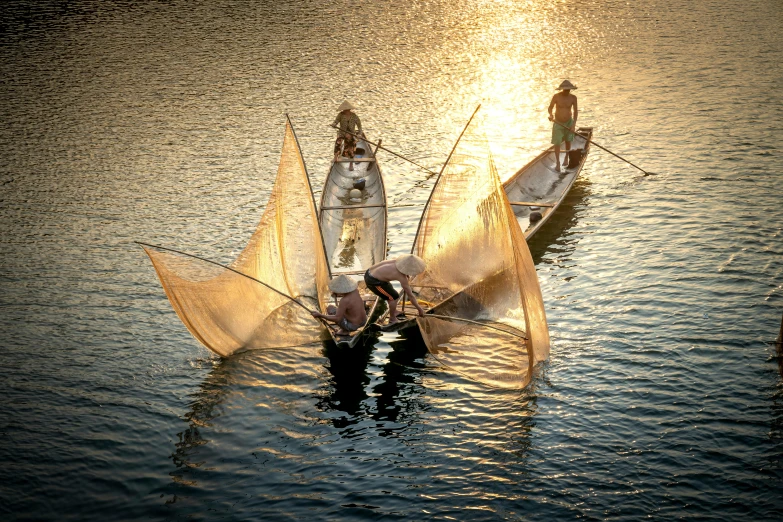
point(348, 381)
point(536, 190)
point(353, 220)
point(486, 316)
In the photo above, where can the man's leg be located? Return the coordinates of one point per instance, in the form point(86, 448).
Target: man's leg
point(557, 158)
point(567, 163)
point(392, 310)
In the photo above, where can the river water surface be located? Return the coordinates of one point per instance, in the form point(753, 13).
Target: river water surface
point(162, 121)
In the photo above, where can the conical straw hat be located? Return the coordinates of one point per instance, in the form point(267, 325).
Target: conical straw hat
point(342, 285)
point(410, 265)
point(345, 106)
point(566, 85)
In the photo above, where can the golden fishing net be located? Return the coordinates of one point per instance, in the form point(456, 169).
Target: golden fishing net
point(479, 268)
point(229, 313)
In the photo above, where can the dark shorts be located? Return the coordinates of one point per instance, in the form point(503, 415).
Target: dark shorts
point(382, 289)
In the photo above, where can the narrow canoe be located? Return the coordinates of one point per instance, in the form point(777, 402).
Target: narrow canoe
point(537, 189)
point(353, 219)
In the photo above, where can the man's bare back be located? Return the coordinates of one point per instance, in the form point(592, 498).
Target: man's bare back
point(387, 271)
point(351, 308)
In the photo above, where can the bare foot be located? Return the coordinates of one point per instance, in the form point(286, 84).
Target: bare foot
point(392, 320)
point(342, 332)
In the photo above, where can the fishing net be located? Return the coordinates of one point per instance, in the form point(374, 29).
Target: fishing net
point(479, 269)
point(228, 312)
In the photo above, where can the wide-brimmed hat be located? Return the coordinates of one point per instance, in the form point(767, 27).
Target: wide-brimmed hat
point(410, 265)
point(342, 285)
point(566, 86)
point(345, 106)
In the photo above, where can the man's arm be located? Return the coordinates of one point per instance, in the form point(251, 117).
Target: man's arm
point(551, 104)
point(409, 292)
point(338, 315)
point(576, 114)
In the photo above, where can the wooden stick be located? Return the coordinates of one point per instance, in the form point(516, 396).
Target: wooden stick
point(227, 268)
point(378, 146)
point(530, 204)
point(477, 323)
point(604, 148)
point(342, 207)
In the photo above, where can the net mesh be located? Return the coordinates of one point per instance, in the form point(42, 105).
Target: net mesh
point(228, 312)
point(479, 268)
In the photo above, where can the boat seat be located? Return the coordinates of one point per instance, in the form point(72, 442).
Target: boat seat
point(355, 160)
point(343, 207)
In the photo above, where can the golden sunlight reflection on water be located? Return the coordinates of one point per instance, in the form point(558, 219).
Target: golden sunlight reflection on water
point(163, 121)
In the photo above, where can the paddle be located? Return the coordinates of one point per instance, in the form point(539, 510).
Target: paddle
point(227, 268)
point(384, 148)
point(607, 150)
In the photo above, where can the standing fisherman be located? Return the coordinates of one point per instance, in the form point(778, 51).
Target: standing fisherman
point(346, 123)
point(564, 124)
point(379, 276)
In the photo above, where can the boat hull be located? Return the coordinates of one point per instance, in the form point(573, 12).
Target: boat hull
point(536, 190)
point(353, 221)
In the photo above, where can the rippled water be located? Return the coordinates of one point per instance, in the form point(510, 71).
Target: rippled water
point(163, 121)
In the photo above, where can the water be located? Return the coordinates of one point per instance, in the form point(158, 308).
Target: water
point(163, 121)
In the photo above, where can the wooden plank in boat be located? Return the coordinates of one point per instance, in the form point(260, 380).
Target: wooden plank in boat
point(343, 207)
point(355, 160)
point(530, 204)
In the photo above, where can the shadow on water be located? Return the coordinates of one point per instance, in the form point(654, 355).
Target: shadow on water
point(399, 392)
point(554, 236)
point(348, 380)
point(205, 407)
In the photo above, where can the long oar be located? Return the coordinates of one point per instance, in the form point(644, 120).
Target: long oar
point(226, 267)
point(387, 150)
point(607, 150)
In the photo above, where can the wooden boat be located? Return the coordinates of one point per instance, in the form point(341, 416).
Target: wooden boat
point(537, 189)
point(353, 218)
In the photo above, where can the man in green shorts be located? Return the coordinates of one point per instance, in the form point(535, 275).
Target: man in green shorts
point(563, 123)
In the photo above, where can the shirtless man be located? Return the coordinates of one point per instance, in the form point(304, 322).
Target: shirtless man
point(564, 101)
point(350, 314)
point(379, 276)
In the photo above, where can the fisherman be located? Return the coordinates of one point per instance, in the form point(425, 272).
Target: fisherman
point(378, 279)
point(347, 124)
point(563, 123)
point(350, 314)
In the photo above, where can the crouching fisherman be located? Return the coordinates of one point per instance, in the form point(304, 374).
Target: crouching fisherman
point(350, 314)
point(379, 276)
